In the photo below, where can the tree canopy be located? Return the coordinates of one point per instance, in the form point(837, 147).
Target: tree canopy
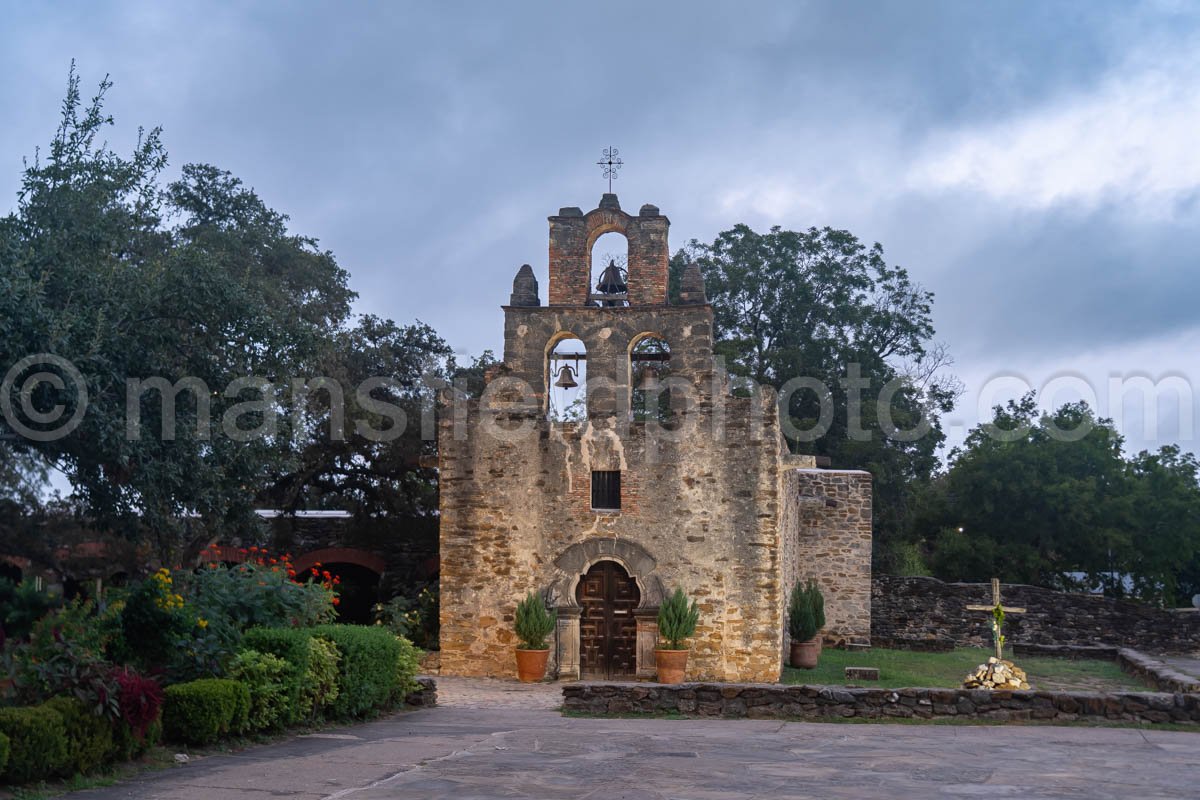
point(1050, 499)
point(199, 290)
point(819, 304)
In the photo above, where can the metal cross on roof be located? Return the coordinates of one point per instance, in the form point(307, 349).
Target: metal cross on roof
point(610, 164)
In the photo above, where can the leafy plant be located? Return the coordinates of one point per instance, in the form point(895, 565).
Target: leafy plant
point(22, 605)
point(677, 620)
point(534, 622)
point(416, 621)
point(140, 700)
point(266, 677)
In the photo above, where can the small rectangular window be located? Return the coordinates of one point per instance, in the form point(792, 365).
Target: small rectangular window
point(606, 490)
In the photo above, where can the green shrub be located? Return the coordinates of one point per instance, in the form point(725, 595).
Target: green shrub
point(3, 752)
point(38, 746)
point(320, 689)
point(676, 620)
point(818, 603)
point(126, 744)
point(802, 620)
point(534, 622)
point(266, 676)
point(202, 711)
point(370, 668)
point(89, 735)
point(407, 666)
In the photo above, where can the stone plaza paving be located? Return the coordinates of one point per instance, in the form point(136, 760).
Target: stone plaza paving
point(491, 739)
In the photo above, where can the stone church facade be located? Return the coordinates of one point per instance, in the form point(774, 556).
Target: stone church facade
point(606, 514)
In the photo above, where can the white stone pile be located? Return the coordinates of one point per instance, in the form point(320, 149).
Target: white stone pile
point(996, 674)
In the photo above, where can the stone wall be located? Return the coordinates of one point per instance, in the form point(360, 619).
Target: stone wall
point(767, 701)
point(826, 527)
point(917, 612)
point(695, 512)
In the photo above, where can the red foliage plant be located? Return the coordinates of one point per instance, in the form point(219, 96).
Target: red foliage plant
point(140, 699)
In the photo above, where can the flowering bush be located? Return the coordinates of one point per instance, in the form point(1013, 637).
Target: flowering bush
point(154, 621)
point(263, 591)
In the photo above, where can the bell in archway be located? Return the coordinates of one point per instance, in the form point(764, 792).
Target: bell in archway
point(566, 377)
point(649, 381)
point(611, 280)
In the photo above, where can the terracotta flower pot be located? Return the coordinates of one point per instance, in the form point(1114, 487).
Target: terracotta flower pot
point(805, 654)
point(671, 664)
point(531, 665)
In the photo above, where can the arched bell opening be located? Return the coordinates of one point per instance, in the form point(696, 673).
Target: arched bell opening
point(566, 380)
point(609, 269)
point(649, 374)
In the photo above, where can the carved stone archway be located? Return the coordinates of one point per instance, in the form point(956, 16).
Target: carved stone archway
point(570, 566)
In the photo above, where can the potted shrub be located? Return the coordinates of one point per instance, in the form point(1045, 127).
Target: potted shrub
point(534, 623)
point(818, 606)
point(676, 622)
point(802, 624)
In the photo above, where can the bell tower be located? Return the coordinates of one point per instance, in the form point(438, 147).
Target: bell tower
point(613, 317)
point(572, 234)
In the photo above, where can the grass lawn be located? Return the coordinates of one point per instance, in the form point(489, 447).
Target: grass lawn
point(899, 668)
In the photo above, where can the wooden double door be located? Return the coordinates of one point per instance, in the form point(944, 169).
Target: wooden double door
point(607, 627)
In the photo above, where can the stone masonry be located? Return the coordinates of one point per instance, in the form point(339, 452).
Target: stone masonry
point(709, 499)
point(920, 612)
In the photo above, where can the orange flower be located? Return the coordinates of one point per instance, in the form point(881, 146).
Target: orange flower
point(337, 602)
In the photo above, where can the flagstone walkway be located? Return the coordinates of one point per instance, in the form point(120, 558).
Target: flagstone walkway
point(492, 739)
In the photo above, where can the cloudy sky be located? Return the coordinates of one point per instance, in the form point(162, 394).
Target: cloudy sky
point(1036, 165)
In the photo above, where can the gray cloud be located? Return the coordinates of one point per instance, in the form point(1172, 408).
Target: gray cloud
point(426, 145)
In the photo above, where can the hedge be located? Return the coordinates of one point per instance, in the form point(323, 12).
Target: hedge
point(311, 683)
point(202, 711)
point(370, 669)
point(89, 736)
point(38, 746)
point(3, 752)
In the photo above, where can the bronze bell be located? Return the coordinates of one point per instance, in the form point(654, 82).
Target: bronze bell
point(649, 381)
point(611, 280)
point(566, 378)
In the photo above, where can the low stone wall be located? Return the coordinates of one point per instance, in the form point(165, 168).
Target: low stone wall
point(927, 613)
point(424, 697)
point(773, 701)
point(1161, 676)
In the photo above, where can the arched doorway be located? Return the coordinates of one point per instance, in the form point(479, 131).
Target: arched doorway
point(607, 596)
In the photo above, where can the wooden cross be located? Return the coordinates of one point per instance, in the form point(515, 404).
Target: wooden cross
point(998, 610)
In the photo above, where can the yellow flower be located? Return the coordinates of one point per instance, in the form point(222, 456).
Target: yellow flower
point(202, 623)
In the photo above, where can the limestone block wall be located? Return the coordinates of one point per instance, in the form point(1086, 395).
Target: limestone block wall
point(826, 527)
point(702, 509)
